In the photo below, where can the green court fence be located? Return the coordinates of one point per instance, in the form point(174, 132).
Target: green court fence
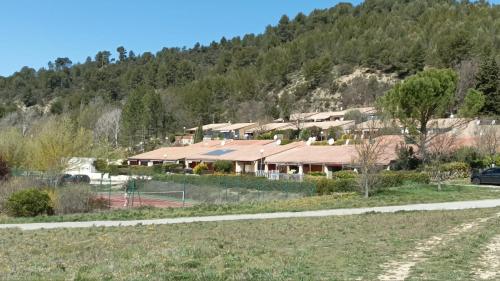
point(188, 190)
point(174, 190)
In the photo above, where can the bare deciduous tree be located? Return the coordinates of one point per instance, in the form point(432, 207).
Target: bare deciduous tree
point(488, 141)
point(441, 148)
point(108, 126)
point(369, 154)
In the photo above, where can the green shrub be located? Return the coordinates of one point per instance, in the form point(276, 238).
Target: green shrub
point(158, 168)
point(173, 168)
point(397, 178)
point(266, 136)
point(316, 174)
point(416, 177)
point(28, 203)
point(328, 186)
point(4, 169)
point(469, 155)
point(456, 170)
point(101, 165)
point(344, 174)
point(200, 168)
point(133, 170)
point(389, 179)
point(223, 166)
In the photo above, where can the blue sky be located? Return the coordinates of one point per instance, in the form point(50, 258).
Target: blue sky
point(34, 32)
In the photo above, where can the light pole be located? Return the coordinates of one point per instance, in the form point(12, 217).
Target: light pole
point(322, 133)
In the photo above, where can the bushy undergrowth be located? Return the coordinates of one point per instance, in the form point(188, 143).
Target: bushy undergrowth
point(397, 178)
point(456, 170)
point(16, 193)
point(345, 174)
point(200, 168)
point(328, 186)
point(7, 188)
point(4, 169)
point(72, 199)
point(28, 203)
point(223, 166)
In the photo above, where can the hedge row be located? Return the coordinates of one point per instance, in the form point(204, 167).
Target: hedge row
point(328, 186)
point(393, 178)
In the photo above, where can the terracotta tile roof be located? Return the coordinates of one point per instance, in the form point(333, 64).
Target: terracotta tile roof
point(328, 155)
point(300, 116)
point(243, 152)
point(209, 126)
point(378, 124)
point(235, 126)
point(182, 152)
point(328, 124)
point(341, 113)
point(268, 127)
point(325, 125)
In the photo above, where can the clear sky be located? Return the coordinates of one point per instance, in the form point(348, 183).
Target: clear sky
point(34, 32)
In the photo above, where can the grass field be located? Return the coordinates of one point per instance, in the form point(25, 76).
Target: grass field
point(332, 248)
point(395, 196)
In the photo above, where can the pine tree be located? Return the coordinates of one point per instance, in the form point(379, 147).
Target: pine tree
point(488, 82)
point(133, 119)
point(153, 113)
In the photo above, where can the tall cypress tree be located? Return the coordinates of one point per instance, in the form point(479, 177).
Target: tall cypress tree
point(488, 82)
point(198, 134)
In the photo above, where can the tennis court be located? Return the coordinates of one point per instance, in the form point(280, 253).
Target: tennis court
point(160, 200)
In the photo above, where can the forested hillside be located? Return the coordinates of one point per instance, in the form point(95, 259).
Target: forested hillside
point(342, 56)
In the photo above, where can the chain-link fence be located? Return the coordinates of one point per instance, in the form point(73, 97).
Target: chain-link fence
point(188, 190)
point(174, 190)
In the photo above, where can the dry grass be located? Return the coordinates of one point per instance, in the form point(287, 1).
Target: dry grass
point(334, 248)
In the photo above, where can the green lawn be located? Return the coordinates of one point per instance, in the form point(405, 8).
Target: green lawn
point(332, 248)
point(395, 196)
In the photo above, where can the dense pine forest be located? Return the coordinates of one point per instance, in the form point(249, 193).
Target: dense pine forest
point(343, 56)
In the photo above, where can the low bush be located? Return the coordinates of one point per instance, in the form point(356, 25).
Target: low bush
point(4, 169)
point(73, 199)
point(470, 155)
point(99, 203)
point(101, 165)
point(328, 186)
point(223, 166)
point(200, 168)
point(173, 168)
point(456, 170)
point(7, 188)
point(29, 203)
point(316, 174)
point(158, 169)
point(398, 178)
point(344, 174)
point(416, 177)
point(132, 170)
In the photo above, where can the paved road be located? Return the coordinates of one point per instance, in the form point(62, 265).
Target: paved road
point(460, 205)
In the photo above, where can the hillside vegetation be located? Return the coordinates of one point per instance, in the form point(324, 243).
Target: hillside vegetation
point(343, 56)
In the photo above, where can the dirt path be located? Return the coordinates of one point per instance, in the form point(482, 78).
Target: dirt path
point(490, 261)
point(400, 269)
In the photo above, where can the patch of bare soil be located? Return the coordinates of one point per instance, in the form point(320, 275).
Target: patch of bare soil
point(490, 261)
point(399, 270)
